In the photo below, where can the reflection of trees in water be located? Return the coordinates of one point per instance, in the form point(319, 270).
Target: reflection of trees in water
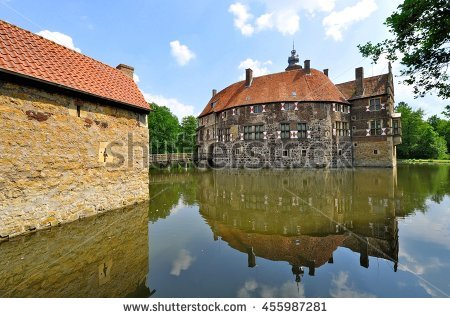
point(417, 183)
point(166, 190)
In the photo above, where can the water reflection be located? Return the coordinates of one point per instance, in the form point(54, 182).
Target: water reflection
point(103, 256)
point(315, 225)
point(304, 216)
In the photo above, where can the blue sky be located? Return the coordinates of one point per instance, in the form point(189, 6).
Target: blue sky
point(181, 50)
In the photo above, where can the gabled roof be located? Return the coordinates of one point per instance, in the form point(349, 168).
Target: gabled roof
point(278, 87)
point(26, 54)
point(373, 86)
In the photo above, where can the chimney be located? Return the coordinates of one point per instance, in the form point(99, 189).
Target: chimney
point(248, 77)
point(125, 69)
point(325, 71)
point(359, 80)
point(214, 92)
point(307, 66)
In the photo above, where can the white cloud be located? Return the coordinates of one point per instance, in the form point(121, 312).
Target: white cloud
point(178, 108)
point(241, 18)
point(289, 289)
point(341, 288)
point(182, 262)
point(136, 78)
point(281, 15)
point(259, 68)
point(339, 21)
point(59, 38)
point(181, 52)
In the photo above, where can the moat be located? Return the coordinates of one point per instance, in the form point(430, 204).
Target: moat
point(242, 233)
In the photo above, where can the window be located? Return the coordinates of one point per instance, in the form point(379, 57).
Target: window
point(289, 106)
point(301, 128)
point(375, 104)
point(78, 111)
point(285, 131)
point(220, 134)
point(396, 127)
point(375, 127)
point(341, 128)
point(285, 153)
point(353, 117)
point(339, 152)
point(224, 114)
point(375, 151)
point(253, 132)
point(213, 104)
point(303, 152)
point(237, 151)
point(257, 109)
point(227, 134)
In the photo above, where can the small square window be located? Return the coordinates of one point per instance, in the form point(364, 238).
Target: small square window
point(353, 117)
point(375, 151)
point(303, 152)
point(339, 152)
point(285, 153)
point(355, 145)
point(237, 151)
point(353, 128)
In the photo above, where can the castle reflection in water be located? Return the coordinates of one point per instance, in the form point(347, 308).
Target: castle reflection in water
point(304, 216)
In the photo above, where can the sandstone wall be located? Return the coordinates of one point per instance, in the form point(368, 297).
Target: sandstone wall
point(101, 256)
point(52, 164)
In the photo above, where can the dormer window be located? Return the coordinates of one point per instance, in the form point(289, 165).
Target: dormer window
point(213, 104)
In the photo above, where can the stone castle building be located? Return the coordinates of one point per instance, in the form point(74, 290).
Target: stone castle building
point(299, 118)
point(73, 134)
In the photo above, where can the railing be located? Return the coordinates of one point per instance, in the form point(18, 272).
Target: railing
point(171, 158)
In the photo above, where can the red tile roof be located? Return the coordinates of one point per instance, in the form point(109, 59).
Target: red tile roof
point(26, 54)
point(373, 86)
point(278, 87)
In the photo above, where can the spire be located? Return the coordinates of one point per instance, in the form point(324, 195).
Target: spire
point(293, 59)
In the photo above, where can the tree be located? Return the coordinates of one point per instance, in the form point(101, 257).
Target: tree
point(419, 138)
point(421, 31)
point(164, 129)
point(186, 141)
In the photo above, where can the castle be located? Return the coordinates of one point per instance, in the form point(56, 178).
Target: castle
point(300, 118)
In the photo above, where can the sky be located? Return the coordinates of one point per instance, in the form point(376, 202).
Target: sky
point(181, 50)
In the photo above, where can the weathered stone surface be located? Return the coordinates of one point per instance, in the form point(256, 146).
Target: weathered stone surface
point(51, 168)
point(66, 261)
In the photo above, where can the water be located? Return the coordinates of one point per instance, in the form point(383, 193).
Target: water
point(236, 233)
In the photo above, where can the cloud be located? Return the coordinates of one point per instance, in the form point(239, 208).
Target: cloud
point(182, 262)
point(136, 78)
point(341, 288)
point(289, 289)
point(241, 18)
point(259, 68)
point(59, 38)
point(178, 108)
point(282, 15)
point(182, 54)
point(339, 21)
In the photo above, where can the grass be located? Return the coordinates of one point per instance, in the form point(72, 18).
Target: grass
point(444, 161)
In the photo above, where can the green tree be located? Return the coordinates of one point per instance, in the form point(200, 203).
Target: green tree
point(419, 138)
point(442, 127)
point(420, 30)
point(164, 129)
point(186, 141)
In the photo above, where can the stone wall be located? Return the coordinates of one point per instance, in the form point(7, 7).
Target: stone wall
point(101, 256)
point(53, 167)
point(320, 147)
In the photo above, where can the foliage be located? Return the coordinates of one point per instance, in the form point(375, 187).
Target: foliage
point(421, 31)
point(164, 130)
point(186, 142)
point(419, 137)
point(166, 133)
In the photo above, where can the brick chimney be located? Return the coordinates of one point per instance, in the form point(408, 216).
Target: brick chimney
point(307, 66)
point(214, 92)
point(325, 71)
point(248, 77)
point(125, 69)
point(359, 80)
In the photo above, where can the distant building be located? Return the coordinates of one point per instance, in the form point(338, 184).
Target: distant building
point(299, 118)
point(74, 135)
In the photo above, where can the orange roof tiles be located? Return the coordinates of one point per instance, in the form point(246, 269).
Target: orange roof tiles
point(278, 87)
point(373, 86)
point(27, 54)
